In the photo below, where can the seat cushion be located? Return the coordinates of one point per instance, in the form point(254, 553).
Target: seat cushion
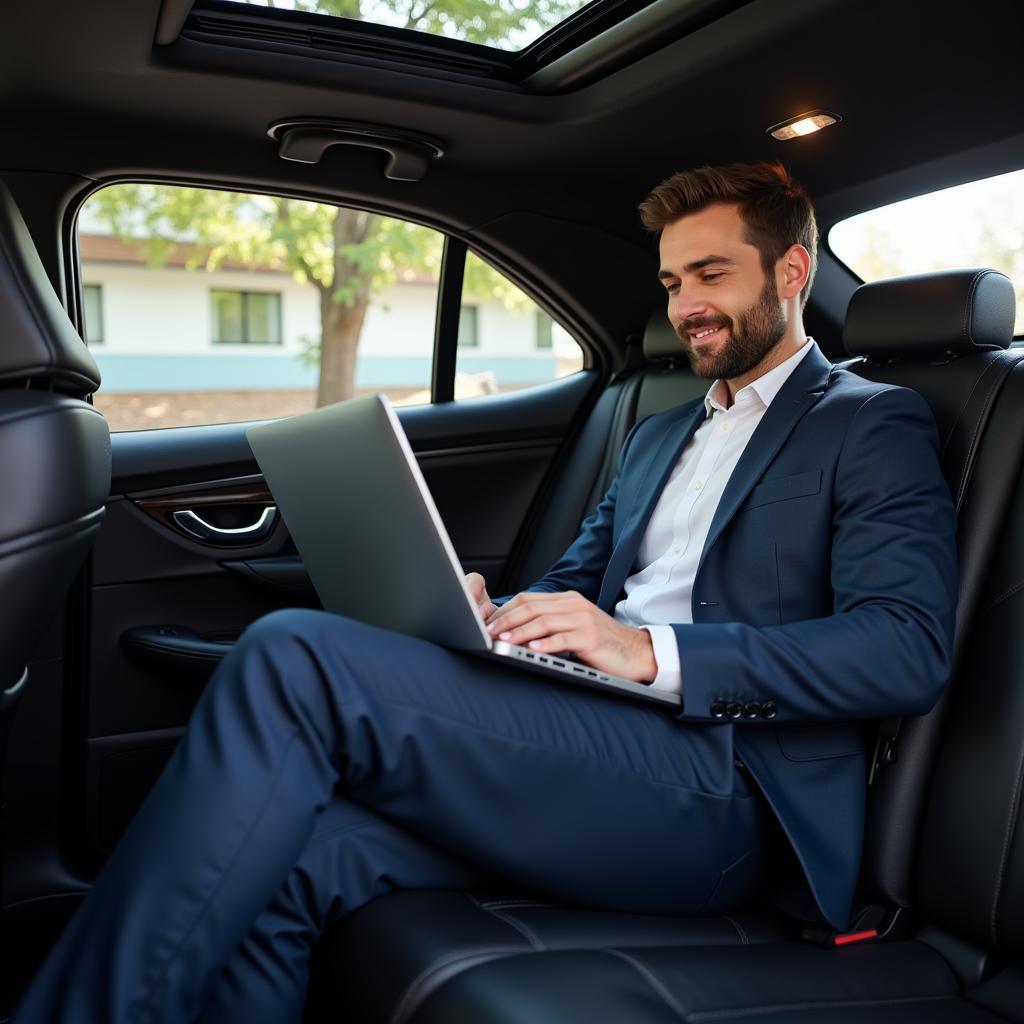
point(381, 963)
point(905, 982)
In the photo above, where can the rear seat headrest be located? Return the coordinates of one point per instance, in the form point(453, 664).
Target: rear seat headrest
point(660, 339)
point(37, 340)
point(953, 311)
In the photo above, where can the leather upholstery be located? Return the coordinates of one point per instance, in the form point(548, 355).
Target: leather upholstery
point(381, 963)
point(899, 983)
point(947, 311)
point(660, 339)
point(37, 339)
point(54, 447)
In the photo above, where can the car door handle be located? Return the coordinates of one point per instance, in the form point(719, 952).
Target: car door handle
point(194, 524)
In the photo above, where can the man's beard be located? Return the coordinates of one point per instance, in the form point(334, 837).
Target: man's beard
point(756, 331)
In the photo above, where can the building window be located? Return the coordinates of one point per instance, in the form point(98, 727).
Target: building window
point(92, 306)
point(544, 325)
point(248, 318)
point(469, 327)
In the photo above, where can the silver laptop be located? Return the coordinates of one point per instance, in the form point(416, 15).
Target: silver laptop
point(355, 502)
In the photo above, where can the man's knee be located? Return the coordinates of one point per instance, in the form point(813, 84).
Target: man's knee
point(283, 652)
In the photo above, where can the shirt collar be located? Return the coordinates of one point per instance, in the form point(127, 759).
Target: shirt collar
point(764, 389)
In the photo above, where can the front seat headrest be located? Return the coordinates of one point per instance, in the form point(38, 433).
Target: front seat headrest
point(947, 311)
point(37, 340)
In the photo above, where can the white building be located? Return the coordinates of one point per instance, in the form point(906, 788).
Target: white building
point(169, 328)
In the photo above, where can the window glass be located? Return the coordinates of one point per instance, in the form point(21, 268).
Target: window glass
point(980, 224)
point(92, 305)
point(224, 306)
point(508, 351)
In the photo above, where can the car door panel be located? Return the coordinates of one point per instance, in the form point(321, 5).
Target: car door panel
point(162, 604)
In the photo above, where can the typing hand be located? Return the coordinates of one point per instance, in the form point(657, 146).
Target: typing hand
point(478, 588)
point(553, 623)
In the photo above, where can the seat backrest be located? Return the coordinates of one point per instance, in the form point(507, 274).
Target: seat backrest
point(970, 871)
point(946, 336)
point(54, 449)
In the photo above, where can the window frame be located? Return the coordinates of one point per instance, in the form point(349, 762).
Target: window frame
point(450, 278)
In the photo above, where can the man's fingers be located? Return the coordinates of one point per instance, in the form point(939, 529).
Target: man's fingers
point(525, 606)
point(477, 585)
point(539, 627)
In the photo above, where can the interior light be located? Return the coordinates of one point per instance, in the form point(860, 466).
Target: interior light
point(803, 124)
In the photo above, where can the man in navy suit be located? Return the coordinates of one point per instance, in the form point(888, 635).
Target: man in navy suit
point(780, 553)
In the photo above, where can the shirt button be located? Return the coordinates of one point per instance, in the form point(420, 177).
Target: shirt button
point(697, 485)
point(724, 428)
point(676, 549)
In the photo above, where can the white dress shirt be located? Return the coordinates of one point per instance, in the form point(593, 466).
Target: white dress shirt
point(661, 589)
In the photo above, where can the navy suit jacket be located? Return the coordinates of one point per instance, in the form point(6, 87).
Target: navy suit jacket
point(825, 593)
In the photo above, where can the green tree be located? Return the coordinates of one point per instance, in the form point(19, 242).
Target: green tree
point(346, 254)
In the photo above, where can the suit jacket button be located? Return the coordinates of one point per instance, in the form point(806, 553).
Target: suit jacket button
point(718, 709)
point(752, 710)
point(769, 710)
point(734, 710)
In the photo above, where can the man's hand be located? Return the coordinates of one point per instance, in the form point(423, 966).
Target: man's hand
point(551, 623)
point(478, 589)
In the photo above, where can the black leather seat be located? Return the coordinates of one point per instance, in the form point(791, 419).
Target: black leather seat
point(964, 962)
point(54, 454)
point(433, 956)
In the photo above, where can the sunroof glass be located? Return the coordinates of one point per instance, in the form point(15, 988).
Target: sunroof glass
point(504, 24)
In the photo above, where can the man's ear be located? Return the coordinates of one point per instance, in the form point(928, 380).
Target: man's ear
point(792, 271)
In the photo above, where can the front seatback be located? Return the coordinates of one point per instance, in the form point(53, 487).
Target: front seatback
point(54, 450)
point(945, 335)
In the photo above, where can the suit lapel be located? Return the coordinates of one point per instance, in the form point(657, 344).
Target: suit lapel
point(673, 441)
point(802, 389)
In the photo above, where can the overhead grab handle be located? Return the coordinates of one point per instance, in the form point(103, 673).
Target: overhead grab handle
point(306, 141)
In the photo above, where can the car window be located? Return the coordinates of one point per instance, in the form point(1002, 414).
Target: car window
point(978, 224)
point(206, 306)
point(506, 341)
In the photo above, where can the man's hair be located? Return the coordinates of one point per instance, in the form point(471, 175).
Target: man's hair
point(775, 210)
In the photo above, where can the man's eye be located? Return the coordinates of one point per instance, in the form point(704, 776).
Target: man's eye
point(710, 277)
point(674, 287)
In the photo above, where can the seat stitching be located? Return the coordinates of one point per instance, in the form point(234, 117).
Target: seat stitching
point(520, 926)
point(1005, 595)
point(979, 424)
point(969, 305)
point(649, 976)
point(753, 1011)
point(1011, 827)
point(744, 938)
point(963, 405)
point(418, 988)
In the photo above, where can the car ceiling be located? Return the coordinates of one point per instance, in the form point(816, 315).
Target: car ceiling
point(84, 90)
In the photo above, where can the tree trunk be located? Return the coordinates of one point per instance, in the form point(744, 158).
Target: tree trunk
point(342, 322)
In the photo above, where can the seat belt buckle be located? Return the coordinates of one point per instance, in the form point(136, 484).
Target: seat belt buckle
point(874, 923)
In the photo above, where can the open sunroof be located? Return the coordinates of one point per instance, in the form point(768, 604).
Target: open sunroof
point(510, 25)
point(541, 45)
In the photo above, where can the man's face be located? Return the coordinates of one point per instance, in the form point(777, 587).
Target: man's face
point(723, 306)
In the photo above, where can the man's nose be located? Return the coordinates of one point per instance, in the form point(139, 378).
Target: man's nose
point(686, 304)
